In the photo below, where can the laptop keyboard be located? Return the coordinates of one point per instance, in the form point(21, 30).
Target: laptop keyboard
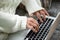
point(43, 30)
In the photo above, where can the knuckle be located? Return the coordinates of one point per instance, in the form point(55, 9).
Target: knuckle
point(35, 25)
point(31, 27)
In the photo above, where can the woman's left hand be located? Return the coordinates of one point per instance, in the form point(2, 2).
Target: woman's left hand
point(41, 12)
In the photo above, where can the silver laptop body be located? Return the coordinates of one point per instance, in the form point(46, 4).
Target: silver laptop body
point(46, 29)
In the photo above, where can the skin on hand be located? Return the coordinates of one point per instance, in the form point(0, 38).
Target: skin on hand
point(42, 12)
point(32, 24)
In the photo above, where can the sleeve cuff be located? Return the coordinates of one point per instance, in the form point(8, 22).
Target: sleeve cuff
point(23, 22)
point(20, 24)
point(35, 10)
point(31, 6)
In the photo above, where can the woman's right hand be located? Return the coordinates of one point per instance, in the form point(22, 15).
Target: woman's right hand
point(32, 24)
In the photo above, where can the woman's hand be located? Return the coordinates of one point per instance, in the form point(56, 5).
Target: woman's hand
point(42, 12)
point(32, 24)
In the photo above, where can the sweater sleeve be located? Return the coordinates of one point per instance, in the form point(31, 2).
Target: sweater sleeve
point(12, 23)
point(32, 5)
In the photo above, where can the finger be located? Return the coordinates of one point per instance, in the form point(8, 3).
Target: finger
point(39, 16)
point(33, 29)
point(46, 12)
point(42, 13)
point(35, 22)
point(34, 25)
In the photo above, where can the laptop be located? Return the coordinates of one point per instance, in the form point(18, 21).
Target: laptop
point(46, 30)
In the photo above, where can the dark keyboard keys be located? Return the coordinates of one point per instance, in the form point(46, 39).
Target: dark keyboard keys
point(43, 30)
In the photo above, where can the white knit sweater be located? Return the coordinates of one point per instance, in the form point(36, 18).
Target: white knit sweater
point(9, 22)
